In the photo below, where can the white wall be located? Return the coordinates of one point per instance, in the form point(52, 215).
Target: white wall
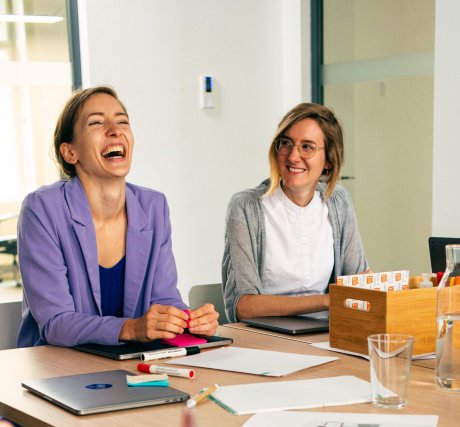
point(446, 134)
point(153, 52)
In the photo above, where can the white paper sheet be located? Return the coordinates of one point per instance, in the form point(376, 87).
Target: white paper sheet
point(334, 419)
point(252, 361)
point(283, 395)
point(325, 346)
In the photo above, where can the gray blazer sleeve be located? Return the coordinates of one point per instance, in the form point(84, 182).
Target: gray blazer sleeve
point(242, 262)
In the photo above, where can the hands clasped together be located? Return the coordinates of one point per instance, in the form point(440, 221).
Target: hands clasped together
point(164, 321)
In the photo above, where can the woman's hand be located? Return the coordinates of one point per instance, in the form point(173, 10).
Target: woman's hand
point(159, 321)
point(203, 320)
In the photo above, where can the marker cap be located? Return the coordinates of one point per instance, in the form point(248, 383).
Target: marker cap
point(192, 350)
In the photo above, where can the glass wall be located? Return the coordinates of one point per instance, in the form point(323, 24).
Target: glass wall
point(378, 77)
point(35, 81)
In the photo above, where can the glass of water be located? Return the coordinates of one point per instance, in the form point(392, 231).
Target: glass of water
point(390, 357)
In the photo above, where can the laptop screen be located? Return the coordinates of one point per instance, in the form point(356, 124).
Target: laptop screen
point(437, 246)
point(292, 325)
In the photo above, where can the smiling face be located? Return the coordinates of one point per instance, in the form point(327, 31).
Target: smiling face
point(300, 176)
point(103, 142)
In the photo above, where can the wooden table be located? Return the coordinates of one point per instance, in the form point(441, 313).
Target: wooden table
point(47, 361)
point(312, 338)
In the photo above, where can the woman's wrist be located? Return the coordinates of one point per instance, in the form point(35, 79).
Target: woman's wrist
point(127, 331)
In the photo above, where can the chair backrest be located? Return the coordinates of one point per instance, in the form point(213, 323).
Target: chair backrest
point(10, 319)
point(201, 294)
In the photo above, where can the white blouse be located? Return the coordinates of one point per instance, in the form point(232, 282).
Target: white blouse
point(299, 255)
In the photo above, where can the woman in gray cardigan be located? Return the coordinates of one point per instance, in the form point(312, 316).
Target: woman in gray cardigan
point(291, 236)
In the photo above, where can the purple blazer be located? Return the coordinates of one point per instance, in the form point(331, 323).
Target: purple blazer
point(60, 272)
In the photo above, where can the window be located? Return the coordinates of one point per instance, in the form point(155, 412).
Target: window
point(35, 81)
point(374, 66)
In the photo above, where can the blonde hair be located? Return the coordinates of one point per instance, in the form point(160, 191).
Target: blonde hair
point(333, 139)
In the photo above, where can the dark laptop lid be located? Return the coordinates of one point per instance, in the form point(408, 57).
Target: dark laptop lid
point(100, 392)
point(292, 325)
point(437, 246)
point(132, 350)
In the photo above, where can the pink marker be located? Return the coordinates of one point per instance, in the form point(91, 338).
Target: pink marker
point(188, 314)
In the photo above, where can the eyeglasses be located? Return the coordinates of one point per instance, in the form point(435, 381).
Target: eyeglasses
point(284, 146)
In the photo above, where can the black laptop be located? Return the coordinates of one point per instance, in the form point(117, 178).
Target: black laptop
point(437, 247)
point(291, 325)
point(132, 350)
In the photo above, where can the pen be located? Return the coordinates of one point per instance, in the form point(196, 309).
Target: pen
point(169, 352)
point(175, 372)
point(191, 403)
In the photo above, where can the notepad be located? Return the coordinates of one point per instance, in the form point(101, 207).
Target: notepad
point(149, 380)
point(315, 419)
point(326, 346)
point(284, 395)
point(252, 361)
point(184, 340)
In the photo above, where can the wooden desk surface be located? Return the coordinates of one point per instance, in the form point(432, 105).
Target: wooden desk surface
point(40, 362)
point(311, 338)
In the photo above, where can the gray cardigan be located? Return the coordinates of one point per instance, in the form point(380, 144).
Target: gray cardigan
point(244, 253)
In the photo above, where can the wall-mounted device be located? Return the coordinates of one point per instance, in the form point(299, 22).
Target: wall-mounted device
point(206, 92)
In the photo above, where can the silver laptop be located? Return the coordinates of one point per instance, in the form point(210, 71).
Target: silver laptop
point(292, 325)
point(97, 392)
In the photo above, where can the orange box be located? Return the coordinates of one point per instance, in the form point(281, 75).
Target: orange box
point(411, 312)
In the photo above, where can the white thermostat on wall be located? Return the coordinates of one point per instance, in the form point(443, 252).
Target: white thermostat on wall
point(206, 91)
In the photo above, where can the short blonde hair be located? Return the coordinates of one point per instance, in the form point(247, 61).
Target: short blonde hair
point(333, 139)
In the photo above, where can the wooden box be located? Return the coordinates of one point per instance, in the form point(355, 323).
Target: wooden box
point(411, 312)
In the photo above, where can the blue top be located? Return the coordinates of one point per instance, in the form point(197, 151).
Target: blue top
point(112, 285)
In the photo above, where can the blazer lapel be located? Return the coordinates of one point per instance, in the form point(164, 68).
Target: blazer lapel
point(138, 243)
point(84, 231)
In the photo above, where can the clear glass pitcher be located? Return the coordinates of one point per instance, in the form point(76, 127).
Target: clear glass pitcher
point(448, 323)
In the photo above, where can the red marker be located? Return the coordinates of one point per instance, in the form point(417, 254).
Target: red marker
point(174, 372)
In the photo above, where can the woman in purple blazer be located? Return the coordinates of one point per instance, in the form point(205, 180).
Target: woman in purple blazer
point(94, 251)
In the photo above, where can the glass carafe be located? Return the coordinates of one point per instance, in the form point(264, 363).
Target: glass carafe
point(448, 323)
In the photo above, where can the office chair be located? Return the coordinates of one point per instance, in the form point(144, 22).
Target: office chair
point(10, 319)
point(212, 293)
point(8, 246)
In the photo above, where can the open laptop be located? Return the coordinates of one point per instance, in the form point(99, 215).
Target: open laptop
point(292, 325)
point(437, 247)
point(85, 394)
point(132, 350)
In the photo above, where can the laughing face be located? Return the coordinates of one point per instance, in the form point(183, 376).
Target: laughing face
point(300, 176)
point(103, 141)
